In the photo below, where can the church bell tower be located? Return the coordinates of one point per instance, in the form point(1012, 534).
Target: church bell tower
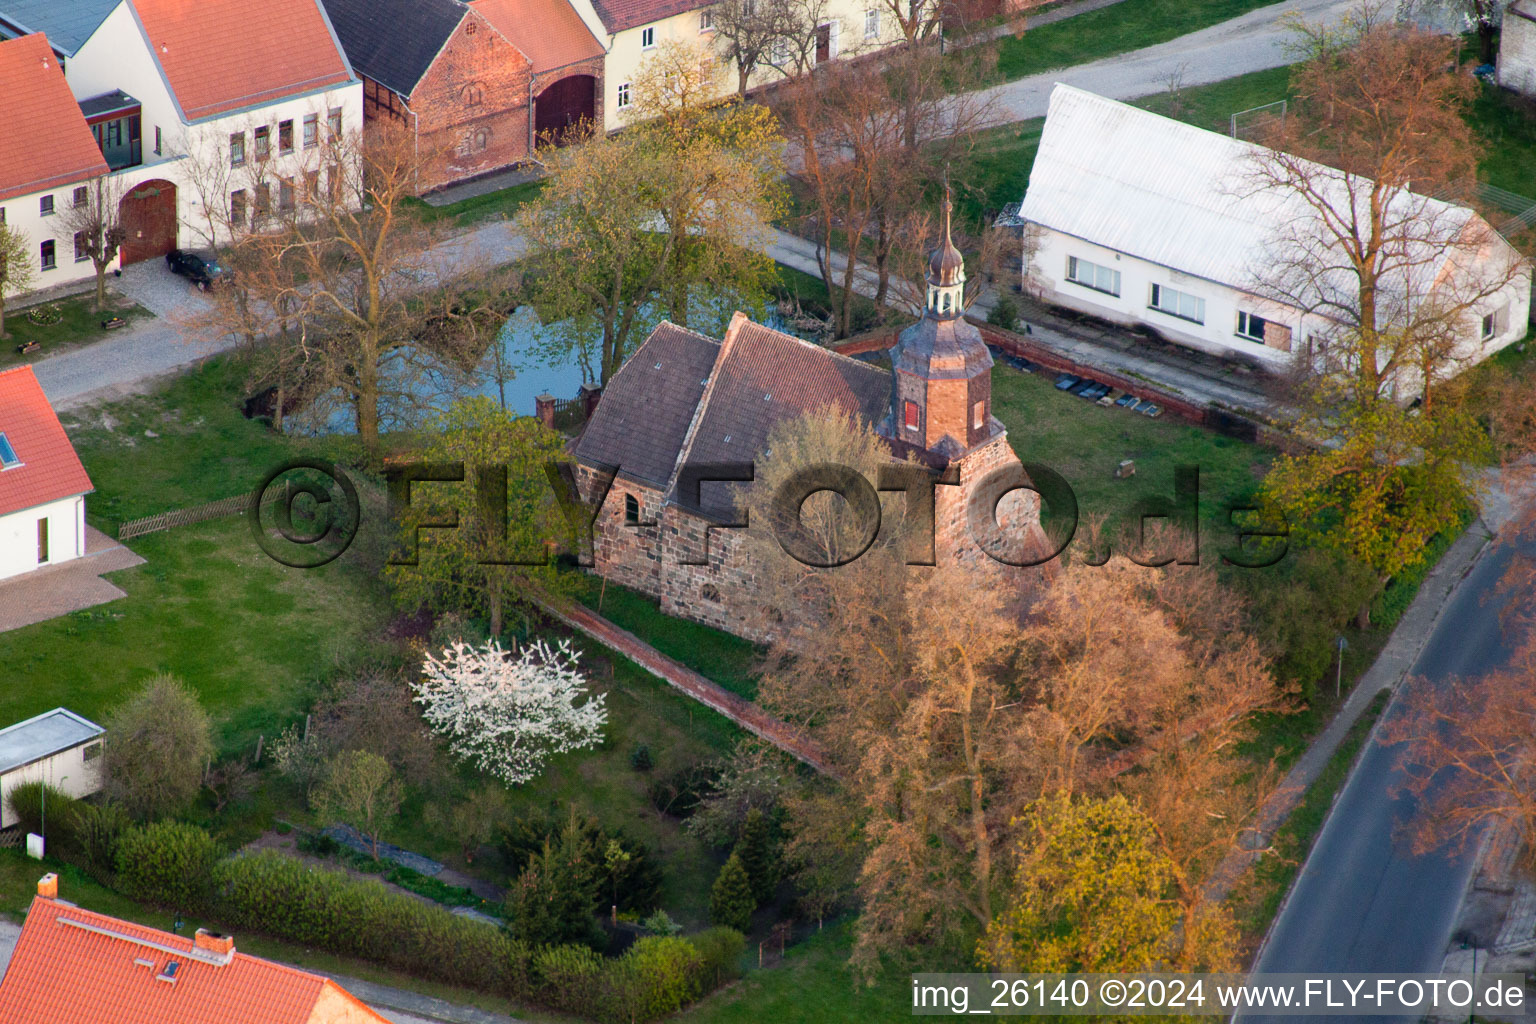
point(941, 381)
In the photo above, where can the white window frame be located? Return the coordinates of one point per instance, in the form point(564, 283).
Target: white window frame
point(1095, 279)
point(871, 24)
point(623, 97)
point(706, 21)
point(45, 205)
point(1246, 318)
point(648, 38)
point(1185, 306)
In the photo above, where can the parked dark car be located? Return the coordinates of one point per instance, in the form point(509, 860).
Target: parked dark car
point(1066, 382)
point(200, 270)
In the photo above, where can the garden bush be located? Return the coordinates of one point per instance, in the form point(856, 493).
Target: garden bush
point(98, 828)
point(657, 976)
point(280, 896)
point(168, 863)
point(720, 950)
point(570, 977)
point(27, 802)
point(1004, 314)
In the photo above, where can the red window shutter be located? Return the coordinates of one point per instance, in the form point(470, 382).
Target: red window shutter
point(911, 411)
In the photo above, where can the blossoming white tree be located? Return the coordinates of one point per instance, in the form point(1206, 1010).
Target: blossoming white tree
point(510, 714)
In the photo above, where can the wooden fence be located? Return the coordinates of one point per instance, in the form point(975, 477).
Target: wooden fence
point(196, 514)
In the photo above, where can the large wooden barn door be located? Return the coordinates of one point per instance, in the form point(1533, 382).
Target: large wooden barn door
point(563, 105)
point(148, 216)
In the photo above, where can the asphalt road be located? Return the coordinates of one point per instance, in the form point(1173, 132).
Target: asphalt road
point(1256, 41)
point(1363, 901)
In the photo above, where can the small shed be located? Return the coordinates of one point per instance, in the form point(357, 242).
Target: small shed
point(57, 747)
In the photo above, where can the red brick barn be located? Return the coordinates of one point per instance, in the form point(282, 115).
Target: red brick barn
point(469, 78)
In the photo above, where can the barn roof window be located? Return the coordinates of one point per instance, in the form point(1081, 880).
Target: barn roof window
point(8, 456)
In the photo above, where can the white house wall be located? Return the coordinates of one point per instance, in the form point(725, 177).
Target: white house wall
point(67, 771)
point(1046, 274)
point(194, 157)
point(626, 55)
point(1517, 51)
point(23, 213)
point(18, 535)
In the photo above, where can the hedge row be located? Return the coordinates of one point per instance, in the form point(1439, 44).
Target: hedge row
point(277, 895)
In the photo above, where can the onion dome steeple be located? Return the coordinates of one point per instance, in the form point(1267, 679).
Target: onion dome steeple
point(946, 271)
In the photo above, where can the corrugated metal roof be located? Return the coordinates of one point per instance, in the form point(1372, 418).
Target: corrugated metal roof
point(1183, 197)
point(43, 735)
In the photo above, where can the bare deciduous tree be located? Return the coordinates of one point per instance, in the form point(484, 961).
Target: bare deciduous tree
point(96, 225)
point(1469, 751)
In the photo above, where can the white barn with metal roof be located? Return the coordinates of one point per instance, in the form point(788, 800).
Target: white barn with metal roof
point(57, 747)
point(1143, 220)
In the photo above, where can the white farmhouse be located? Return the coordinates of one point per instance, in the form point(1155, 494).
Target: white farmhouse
point(58, 748)
point(48, 154)
point(1517, 48)
point(634, 29)
point(1143, 220)
point(186, 100)
point(42, 483)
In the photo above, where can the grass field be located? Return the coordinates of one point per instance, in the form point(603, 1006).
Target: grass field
point(185, 444)
point(250, 636)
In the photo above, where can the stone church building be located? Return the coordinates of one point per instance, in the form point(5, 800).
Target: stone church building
point(686, 400)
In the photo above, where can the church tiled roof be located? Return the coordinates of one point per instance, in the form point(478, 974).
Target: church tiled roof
point(756, 378)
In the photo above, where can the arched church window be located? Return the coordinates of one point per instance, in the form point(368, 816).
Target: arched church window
point(631, 510)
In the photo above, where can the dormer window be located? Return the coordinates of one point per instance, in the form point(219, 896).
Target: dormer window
point(8, 457)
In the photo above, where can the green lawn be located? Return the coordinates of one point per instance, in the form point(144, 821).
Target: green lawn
point(1084, 442)
point(250, 636)
point(1119, 28)
point(182, 445)
point(812, 986)
point(478, 209)
point(76, 325)
point(1507, 127)
point(723, 657)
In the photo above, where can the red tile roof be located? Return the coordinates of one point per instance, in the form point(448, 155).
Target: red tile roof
point(618, 15)
point(549, 32)
point(47, 143)
point(74, 965)
point(50, 469)
point(224, 55)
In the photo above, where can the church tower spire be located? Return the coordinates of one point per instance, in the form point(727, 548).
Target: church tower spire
point(946, 270)
point(941, 380)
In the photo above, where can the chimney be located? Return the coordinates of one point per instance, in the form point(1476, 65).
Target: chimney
point(48, 886)
point(213, 942)
point(544, 409)
point(591, 391)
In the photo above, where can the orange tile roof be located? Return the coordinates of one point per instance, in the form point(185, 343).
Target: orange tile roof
point(224, 55)
point(47, 143)
point(75, 965)
point(549, 32)
point(50, 469)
